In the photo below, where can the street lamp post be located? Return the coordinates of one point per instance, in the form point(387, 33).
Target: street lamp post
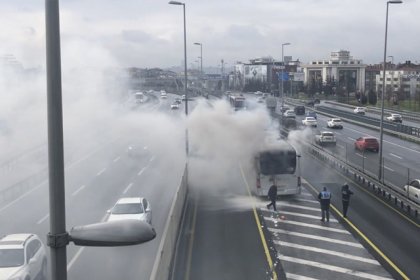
point(381, 131)
point(185, 72)
point(282, 60)
point(201, 58)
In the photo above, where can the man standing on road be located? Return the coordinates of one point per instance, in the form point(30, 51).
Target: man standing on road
point(325, 199)
point(345, 194)
point(272, 195)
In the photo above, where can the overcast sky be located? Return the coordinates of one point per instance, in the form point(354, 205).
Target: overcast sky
point(149, 33)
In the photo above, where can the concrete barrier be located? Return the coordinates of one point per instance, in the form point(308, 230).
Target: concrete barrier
point(166, 250)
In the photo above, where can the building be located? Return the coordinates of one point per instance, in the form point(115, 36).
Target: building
point(341, 72)
point(403, 81)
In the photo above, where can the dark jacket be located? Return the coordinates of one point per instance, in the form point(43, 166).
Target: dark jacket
point(325, 198)
point(346, 193)
point(272, 192)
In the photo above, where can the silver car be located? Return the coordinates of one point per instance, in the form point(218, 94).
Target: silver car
point(137, 208)
point(22, 256)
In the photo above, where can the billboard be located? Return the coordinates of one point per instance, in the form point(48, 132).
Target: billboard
point(257, 72)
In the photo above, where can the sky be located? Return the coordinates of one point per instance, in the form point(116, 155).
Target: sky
point(149, 33)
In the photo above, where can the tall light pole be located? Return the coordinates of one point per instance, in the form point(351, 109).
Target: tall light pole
point(282, 60)
point(201, 57)
point(381, 129)
point(185, 72)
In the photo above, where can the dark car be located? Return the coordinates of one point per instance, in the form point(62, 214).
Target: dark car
point(300, 110)
point(311, 114)
point(367, 143)
point(310, 103)
point(317, 101)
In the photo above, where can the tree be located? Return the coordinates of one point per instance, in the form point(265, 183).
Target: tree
point(372, 97)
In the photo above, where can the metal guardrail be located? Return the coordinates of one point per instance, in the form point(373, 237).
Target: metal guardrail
point(395, 195)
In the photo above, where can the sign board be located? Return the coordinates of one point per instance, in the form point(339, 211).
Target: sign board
point(298, 76)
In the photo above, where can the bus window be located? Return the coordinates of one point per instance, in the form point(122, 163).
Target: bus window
point(277, 162)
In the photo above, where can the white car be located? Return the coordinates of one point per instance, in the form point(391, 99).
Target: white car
point(22, 256)
point(335, 123)
point(413, 190)
point(310, 121)
point(258, 93)
point(394, 118)
point(360, 110)
point(325, 138)
point(174, 106)
point(289, 114)
point(136, 208)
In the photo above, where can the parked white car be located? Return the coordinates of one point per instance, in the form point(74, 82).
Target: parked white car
point(310, 121)
point(335, 123)
point(413, 190)
point(22, 256)
point(137, 208)
point(360, 110)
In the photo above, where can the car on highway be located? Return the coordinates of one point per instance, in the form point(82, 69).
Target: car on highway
point(135, 208)
point(260, 99)
point(289, 114)
point(310, 121)
point(22, 257)
point(178, 100)
point(367, 143)
point(258, 93)
point(284, 109)
point(360, 110)
point(335, 123)
point(326, 138)
point(394, 118)
point(312, 114)
point(134, 151)
point(175, 106)
point(413, 190)
point(300, 110)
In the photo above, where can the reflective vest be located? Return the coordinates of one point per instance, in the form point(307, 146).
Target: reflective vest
point(325, 195)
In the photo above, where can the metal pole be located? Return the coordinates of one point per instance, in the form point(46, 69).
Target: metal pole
point(381, 129)
point(57, 237)
point(201, 53)
point(186, 80)
point(282, 60)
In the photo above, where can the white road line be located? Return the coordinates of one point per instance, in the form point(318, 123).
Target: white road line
point(394, 155)
point(340, 146)
point(307, 225)
point(100, 172)
point(329, 252)
point(298, 277)
point(333, 268)
point(43, 219)
point(152, 158)
point(141, 171)
point(303, 215)
point(390, 169)
point(316, 237)
point(339, 133)
point(298, 206)
point(116, 159)
point(22, 196)
point(357, 154)
point(127, 188)
point(352, 139)
point(78, 190)
point(306, 200)
point(75, 257)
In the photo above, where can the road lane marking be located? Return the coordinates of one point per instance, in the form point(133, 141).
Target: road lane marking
point(43, 219)
point(390, 169)
point(352, 139)
point(78, 190)
point(332, 268)
point(298, 277)
point(100, 172)
point(127, 188)
point(339, 133)
point(287, 204)
point(328, 252)
point(332, 220)
point(307, 225)
point(394, 155)
point(360, 155)
point(152, 159)
point(364, 237)
point(116, 159)
point(316, 237)
point(340, 146)
point(141, 171)
point(259, 226)
point(306, 200)
point(75, 257)
point(22, 196)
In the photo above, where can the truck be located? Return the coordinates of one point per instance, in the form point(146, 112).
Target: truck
point(325, 138)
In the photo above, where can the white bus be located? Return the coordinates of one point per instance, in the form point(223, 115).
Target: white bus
point(277, 164)
point(237, 101)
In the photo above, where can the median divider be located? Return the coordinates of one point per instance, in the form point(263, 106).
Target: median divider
point(162, 266)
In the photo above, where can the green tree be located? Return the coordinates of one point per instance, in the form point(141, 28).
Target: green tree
point(372, 97)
